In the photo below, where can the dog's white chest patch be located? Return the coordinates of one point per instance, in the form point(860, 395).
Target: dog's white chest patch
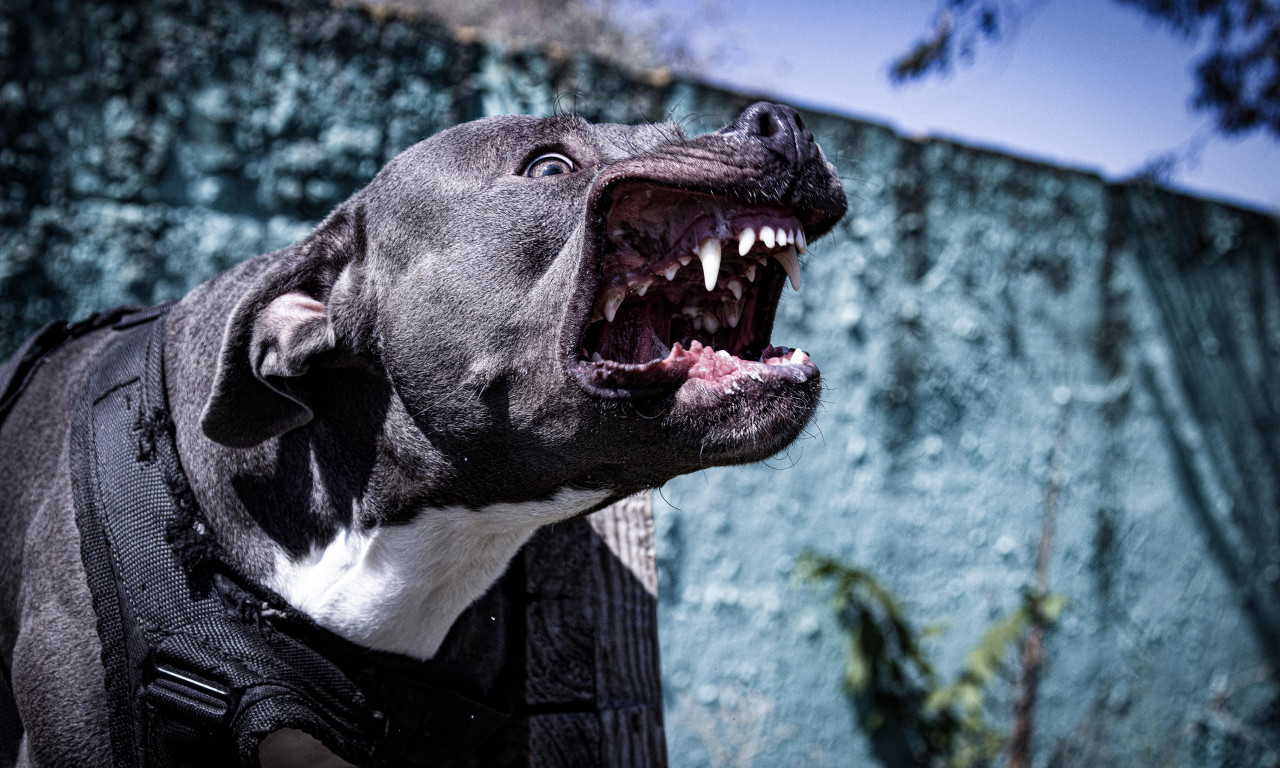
point(400, 587)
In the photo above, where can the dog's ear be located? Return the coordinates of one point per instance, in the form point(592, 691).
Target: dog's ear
point(280, 330)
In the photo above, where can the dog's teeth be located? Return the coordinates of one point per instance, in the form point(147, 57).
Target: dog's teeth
point(735, 287)
point(710, 323)
point(709, 253)
point(802, 244)
point(746, 239)
point(732, 313)
point(790, 262)
point(612, 301)
point(642, 286)
point(684, 259)
point(766, 237)
point(670, 272)
point(797, 357)
point(750, 272)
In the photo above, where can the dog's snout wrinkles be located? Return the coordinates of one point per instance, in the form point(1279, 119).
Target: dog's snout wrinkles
point(777, 127)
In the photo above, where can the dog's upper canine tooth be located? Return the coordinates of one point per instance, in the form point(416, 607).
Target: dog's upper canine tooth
point(766, 237)
point(613, 300)
point(791, 263)
point(746, 239)
point(709, 253)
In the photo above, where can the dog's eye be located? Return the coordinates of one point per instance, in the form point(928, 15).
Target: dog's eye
point(549, 164)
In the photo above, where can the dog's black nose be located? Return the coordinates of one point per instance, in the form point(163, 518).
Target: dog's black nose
point(779, 128)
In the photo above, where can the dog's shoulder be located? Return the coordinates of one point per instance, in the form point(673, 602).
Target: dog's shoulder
point(34, 440)
point(47, 631)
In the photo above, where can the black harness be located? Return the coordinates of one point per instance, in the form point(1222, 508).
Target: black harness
point(200, 663)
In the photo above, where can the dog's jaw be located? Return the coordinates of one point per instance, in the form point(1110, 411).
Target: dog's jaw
point(399, 588)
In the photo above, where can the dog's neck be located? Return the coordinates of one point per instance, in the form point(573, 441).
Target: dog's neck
point(400, 587)
point(323, 543)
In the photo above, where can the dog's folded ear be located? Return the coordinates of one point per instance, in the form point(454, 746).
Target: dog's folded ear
point(279, 331)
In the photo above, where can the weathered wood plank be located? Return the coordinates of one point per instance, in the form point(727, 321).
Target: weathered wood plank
point(569, 740)
point(560, 623)
point(592, 677)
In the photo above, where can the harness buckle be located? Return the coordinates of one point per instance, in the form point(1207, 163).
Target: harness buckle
point(188, 693)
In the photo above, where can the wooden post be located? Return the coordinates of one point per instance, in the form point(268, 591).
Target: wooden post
point(593, 685)
point(570, 635)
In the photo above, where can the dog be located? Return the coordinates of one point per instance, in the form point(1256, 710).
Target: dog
point(519, 320)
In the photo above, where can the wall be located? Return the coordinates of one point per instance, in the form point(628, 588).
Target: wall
point(971, 311)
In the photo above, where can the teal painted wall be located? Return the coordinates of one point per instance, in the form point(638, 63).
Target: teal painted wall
point(969, 308)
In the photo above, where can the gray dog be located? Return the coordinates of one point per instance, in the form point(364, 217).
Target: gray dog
point(517, 321)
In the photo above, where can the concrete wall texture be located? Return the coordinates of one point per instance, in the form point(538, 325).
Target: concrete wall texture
point(971, 312)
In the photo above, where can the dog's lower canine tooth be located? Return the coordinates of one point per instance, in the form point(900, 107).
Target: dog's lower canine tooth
point(709, 253)
point(746, 239)
point(791, 263)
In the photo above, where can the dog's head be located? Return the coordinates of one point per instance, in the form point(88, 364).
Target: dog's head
point(521, 304)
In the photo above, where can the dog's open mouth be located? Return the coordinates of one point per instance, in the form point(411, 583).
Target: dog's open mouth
point(690, 283)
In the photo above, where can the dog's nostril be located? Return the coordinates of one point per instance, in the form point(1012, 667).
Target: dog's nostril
point(766, 127)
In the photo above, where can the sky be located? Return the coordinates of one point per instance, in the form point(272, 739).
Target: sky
point(1089, 84)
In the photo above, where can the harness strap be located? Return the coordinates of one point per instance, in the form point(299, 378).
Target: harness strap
point(201, 663)
point(16, 373)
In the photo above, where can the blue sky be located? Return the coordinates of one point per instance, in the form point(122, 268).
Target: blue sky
point(1084, 83)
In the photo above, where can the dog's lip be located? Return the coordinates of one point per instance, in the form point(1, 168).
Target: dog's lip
point(613, 380)
point(700, 366)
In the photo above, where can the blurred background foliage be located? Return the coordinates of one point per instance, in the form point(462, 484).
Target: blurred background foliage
point(910, 715)
point(636, 34)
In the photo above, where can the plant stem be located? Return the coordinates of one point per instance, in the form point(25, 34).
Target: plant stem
point(1032, 652)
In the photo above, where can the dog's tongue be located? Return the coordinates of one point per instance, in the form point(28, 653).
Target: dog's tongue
point(635, 334)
